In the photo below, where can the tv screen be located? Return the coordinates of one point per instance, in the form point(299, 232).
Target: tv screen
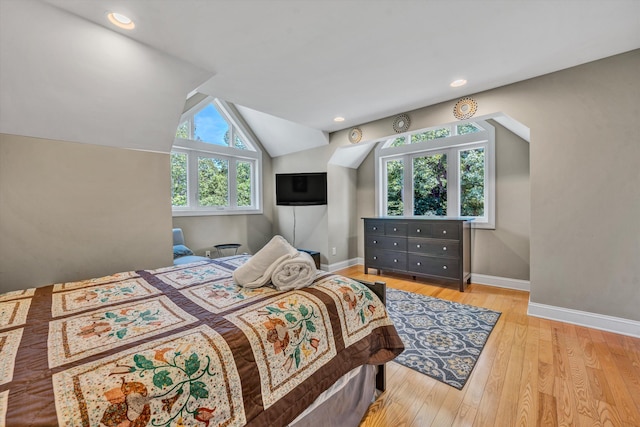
point(301, 189)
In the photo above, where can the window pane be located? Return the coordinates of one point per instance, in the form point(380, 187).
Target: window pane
point(239, 143)
point(243, 180)
point(178, 179)
point(398, 142)
point(395, 179)
point(467, 128)
point(209, 126)
point(430, 135)
point(430, 185)
point(213, 181)
point(472, 174)
point(183, 131)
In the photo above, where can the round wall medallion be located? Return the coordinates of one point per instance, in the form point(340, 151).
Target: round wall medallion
point(465, 108)
point(355, 135)
point(401, 123)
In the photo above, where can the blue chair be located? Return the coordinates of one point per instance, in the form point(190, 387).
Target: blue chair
point(181, 253)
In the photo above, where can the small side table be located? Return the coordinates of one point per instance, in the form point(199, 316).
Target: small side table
point(315, 255)
point(231, 246)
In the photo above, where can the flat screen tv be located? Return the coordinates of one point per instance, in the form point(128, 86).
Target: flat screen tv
point(301, 189)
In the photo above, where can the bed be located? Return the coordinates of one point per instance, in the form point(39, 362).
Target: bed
point(185, 346)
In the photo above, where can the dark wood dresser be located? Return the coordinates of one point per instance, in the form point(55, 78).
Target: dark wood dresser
point(433, 248)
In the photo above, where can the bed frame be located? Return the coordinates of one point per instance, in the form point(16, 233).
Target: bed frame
point(380, 289)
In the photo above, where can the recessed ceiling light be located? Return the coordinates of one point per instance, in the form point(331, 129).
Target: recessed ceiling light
point(338, 119)
point(121, 21)
point(458, 83)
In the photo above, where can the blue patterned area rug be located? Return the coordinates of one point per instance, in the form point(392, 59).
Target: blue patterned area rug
point(442, 339)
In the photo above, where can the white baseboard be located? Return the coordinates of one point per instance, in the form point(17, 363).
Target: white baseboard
point(342, 264)
point(617, 325)
point(501, 282)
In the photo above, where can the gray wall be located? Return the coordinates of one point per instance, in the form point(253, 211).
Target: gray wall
point(322, 228)
point(343, 214)
point(584, 183)
point(73, 211)
point(311, 222)
point(201, 233)
point(504, 252)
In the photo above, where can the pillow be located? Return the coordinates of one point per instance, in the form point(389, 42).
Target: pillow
point(181, 250)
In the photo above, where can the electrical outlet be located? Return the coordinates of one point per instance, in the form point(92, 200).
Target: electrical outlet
point(207, 254)
point(333, 251)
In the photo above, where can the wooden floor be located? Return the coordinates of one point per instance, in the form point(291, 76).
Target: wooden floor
point(532, 371)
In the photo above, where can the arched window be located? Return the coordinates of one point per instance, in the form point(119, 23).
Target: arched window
point(215, 163)
point(443, 171)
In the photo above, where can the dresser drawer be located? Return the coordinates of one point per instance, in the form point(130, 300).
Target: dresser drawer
point(444, 267)
point(383, 259)
point(373, 227)
point(445, 230)
point(419, 229)
point(386, 242)
point(393, 228)
point(434, 247)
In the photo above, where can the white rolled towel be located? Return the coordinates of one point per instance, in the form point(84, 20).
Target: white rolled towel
point(294, 273)
point(256, 272)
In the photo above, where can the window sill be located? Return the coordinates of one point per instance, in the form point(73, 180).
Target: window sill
point(483, 225)
point(207, 212)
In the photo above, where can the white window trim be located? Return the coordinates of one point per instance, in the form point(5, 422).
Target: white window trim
point(452, 145)
point(195, 149)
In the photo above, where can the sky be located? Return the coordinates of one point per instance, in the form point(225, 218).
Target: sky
point(210, 126)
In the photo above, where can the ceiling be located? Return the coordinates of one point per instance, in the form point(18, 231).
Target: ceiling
point(308, 61)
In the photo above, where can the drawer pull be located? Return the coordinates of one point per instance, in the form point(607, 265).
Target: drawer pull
point(444, 231)
point(444, 267)
point(395, 260)
point(418, 230)
point(375, 241)
point(395, 229)
point(375, 257)
point(395, 243)
point(418, 263)
point(417, 246)
point(444, 248)
point(375, 228)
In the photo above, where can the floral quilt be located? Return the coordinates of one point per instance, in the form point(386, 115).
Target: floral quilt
point(182, 346)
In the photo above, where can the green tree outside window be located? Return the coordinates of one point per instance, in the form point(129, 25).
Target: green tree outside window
point(395, 174)
point(178, 179)
point(472, 171)
point(243, 182)
point(430, 185)
point(213, 181)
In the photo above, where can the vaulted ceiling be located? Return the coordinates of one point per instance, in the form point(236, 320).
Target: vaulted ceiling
point(290, 66)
